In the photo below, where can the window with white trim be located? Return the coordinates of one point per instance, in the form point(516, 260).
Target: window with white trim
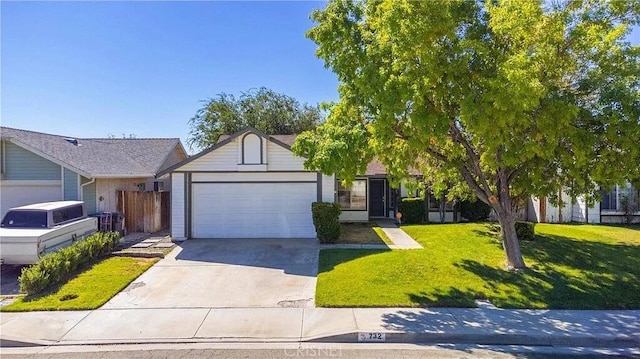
point(354, 197)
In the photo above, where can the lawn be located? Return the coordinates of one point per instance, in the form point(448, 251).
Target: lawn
point(570, 266)
point(362, 233)
point(89, 289)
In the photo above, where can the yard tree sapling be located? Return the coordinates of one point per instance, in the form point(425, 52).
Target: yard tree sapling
point(501, 98)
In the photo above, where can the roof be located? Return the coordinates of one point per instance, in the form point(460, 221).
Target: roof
point(47, 206)
point(97, 157)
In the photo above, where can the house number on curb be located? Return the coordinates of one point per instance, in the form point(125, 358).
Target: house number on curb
point(371, 337)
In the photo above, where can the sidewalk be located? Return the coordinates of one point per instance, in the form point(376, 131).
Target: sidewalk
point(338, 325)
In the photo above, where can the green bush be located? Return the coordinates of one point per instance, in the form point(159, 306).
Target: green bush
point(525, 231)
point(412, 210)
point(475, 211)
point(325, 219)
point(55, 267)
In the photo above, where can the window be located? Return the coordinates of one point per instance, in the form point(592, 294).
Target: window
point(354, 197)
point(68, 214)
point(434, 204)
point(25, 219)
point(609, 199)
point(613, 199)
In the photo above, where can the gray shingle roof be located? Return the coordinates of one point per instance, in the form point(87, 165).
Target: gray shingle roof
point(98, 157)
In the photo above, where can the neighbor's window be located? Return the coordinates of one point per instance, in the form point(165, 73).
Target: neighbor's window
point(609, 199)
point(434, 204)
point(354, 197)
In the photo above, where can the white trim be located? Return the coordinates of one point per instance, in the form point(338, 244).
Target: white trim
point(82, 190)
point(62, 180)
point(79, 187)
point(31, 182)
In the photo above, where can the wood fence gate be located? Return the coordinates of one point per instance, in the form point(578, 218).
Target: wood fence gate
point(144, 211)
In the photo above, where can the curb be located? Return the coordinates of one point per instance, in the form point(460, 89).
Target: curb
point(489, 339)
point(620, 341)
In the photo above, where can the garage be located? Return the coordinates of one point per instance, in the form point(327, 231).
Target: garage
point(253, 210)
point(20, 193)
point(248, 185)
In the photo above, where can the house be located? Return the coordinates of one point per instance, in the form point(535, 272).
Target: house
point(610, 209)
point(250, 185)
point(39, 167)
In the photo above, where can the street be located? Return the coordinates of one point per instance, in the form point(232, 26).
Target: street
point(309, 350)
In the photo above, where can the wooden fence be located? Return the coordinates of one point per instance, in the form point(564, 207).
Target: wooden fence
point(144, 211)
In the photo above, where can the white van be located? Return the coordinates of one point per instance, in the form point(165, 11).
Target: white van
point(29, 232)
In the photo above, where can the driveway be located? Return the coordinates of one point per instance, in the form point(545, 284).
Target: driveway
point(225, 273)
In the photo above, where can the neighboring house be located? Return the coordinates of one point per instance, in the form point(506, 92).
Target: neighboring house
point(610, 209)
point(250, 185)
point(40, 167)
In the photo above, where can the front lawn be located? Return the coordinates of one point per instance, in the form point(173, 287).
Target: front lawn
point(362, 233)
point(88, 290)
point(570, 266)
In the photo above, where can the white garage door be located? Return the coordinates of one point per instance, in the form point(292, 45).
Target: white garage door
point(253, 210)
point(17, 195)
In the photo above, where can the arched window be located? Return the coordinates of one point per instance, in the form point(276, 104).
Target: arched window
point(251, 149)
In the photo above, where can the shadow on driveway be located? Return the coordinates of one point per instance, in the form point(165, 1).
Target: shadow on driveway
point(293, 256)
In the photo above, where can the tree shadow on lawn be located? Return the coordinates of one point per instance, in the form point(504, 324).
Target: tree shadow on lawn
point(568, 274)
point(329, 258)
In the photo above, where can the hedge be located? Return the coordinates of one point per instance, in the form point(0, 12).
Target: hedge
point(525, 231)
point(412, 210)
point(57, 266)
point(325, 219)
point(475, 211)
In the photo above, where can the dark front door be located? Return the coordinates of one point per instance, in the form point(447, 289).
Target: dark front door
point(376, 197)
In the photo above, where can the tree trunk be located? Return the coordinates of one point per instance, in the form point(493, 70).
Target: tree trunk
point(510, 240)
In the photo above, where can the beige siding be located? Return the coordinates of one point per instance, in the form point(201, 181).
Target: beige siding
point(255, 176)
point(106, 190)
point(281, 159)
point(328, 189)
point(354, 216)
point(174, 157)
point(177, 206)
point(224, 158)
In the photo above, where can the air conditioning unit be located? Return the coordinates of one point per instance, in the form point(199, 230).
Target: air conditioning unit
point(158, 186)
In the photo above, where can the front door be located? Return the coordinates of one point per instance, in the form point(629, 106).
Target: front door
point(377, 198)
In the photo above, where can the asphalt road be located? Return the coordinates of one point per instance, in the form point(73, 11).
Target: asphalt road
point(310, 350)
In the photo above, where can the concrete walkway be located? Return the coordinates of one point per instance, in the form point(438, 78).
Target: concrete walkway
point(400, 238)
point(344, 325)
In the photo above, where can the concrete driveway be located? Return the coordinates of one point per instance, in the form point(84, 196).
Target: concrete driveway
point(228, 273)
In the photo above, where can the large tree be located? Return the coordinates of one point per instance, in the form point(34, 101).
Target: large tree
point(502, 98)
point(268, 111)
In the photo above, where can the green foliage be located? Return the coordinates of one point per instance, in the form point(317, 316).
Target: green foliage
point(412, 210)
point(55, 267)
point(572, 267)
point(89, 289)
point(270, 112)
point(525, 231)
point(475, 211)
point(501, 97)
point(325, 219)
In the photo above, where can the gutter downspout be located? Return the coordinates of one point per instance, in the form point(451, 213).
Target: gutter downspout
point(82, 188)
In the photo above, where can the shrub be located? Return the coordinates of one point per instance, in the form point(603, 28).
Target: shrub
point(55, 267)
point(325, 219)
point(525, 231)
point(412, 210)
point(475, 211)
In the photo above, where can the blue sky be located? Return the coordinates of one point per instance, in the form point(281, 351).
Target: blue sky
point(90, 69)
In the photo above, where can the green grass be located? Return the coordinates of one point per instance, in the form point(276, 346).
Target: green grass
point(570, 266)
point(89, 289)
point(363, 233)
